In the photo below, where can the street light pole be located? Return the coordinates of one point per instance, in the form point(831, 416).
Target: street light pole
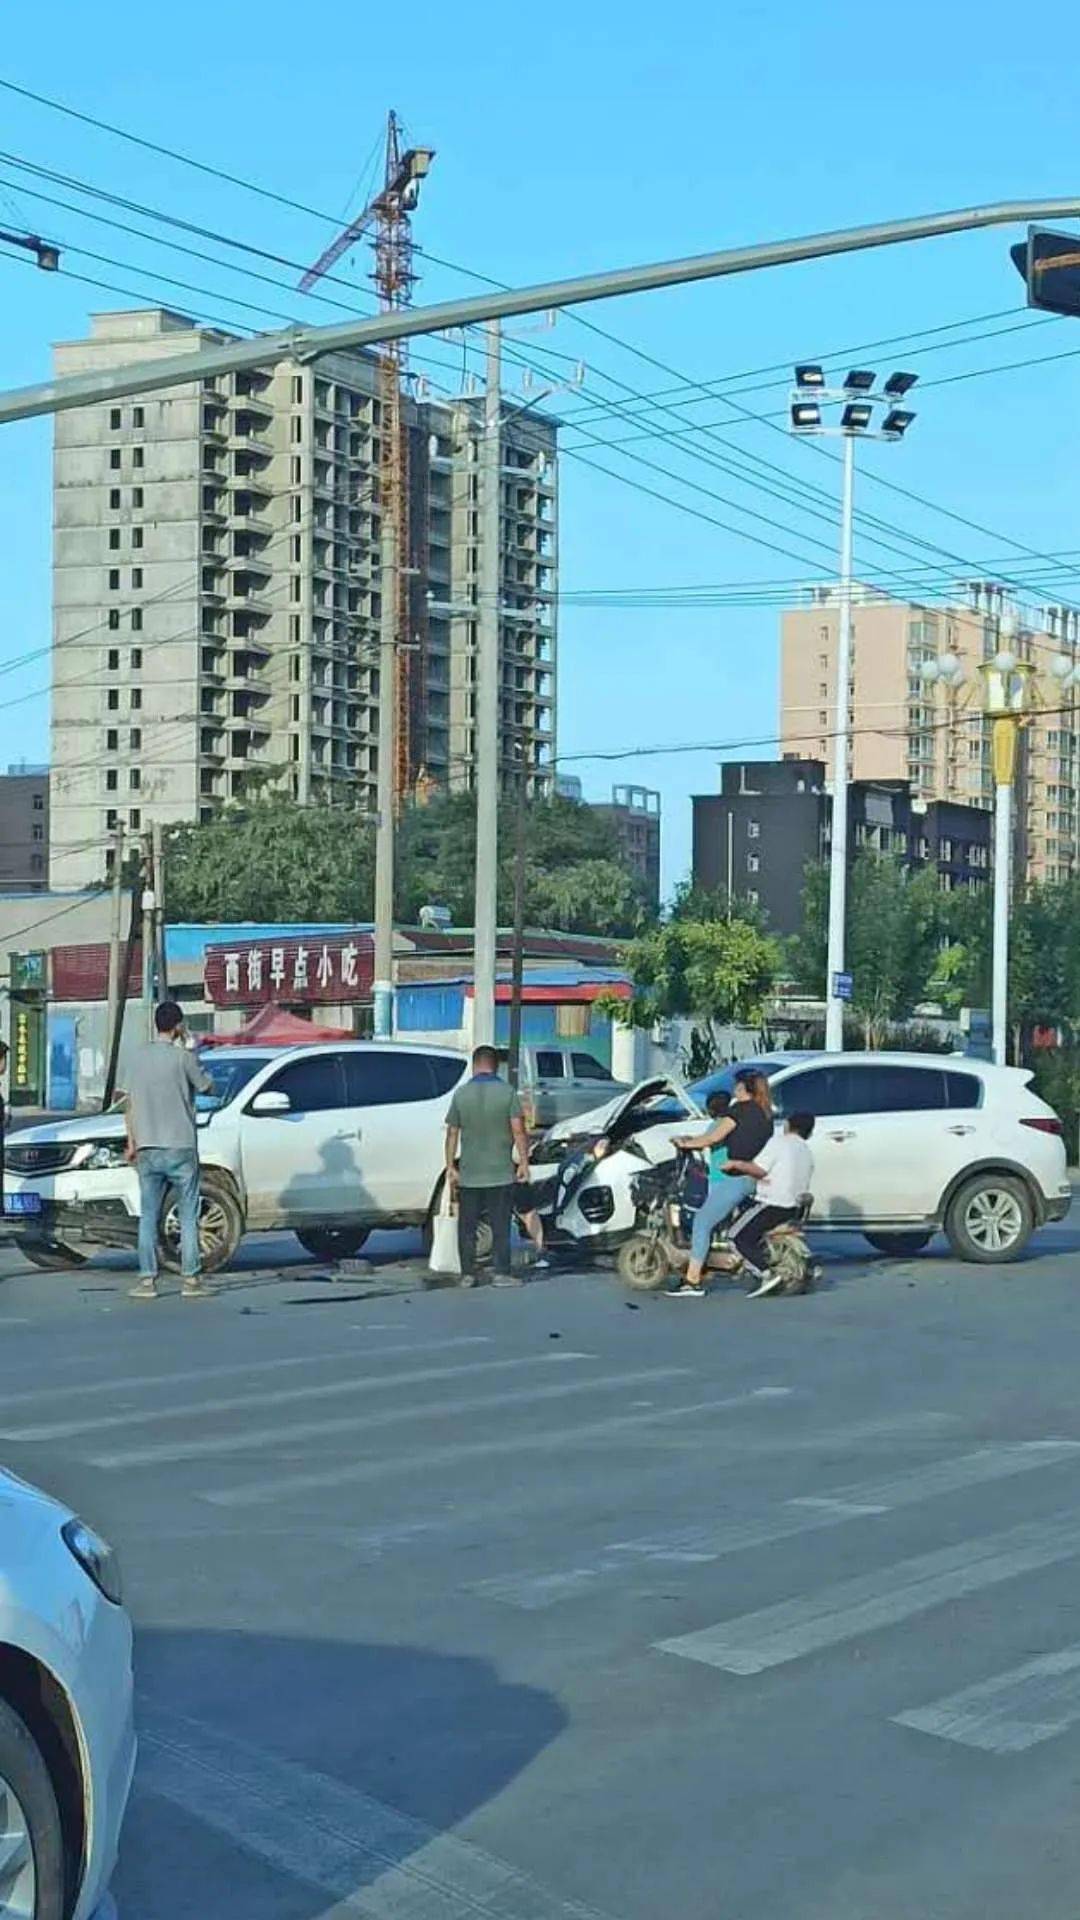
point(383, 981)
point(1006, 685)
point(485, 916)
point(834, 965)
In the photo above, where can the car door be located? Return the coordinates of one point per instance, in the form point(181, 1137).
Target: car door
point(891, 1141)
point(301, 1165)
point(400, 1098)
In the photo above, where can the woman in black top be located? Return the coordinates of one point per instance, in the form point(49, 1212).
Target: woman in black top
point(743, 1130)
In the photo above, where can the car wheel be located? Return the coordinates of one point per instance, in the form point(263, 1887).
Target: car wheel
point(899, 1244)
point(31, 1837)
point(52, 1257)
point(332, 1243)
point(221, 1226)
point(643, 1263)
point(991, 1218)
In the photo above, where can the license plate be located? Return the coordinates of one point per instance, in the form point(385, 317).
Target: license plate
point(19, 1203)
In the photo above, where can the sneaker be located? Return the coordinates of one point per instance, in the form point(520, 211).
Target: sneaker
point(146, 1290)
point(468, 1280)
point(767, 1283)
point(196, 1289)
point(541, 1264)
point(687, 1292)
point(508, 1280)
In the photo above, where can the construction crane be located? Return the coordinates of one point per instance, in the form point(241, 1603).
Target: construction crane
point(389, 215)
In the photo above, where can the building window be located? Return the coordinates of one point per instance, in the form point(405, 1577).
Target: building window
point(112, 740)
point(753, 829)
point(113, 660)
point(135, 818)
point(135, 739)
point(114, 459)
point(136, 659)
point(136, 496)
point(37, 864)
point(111, 780)
point(138, 417)
point(114, 496)
point(111, 819)
point(114, 618)
point(114, 579)
point(752, 896)
point(115, 419)
point(136, 456)
point(752, 863)
point(134, 779)
point(297, 388)
point(39, 803)
point(37, 833)
point(136, 577)
point(112, 700)
point(136, 699)
point(136, 619)
point(136, 536)
point(114, 538)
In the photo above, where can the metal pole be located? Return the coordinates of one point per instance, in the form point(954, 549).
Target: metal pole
point(307, 343)
point(834, 1006)
point(487, 708)
point(148, 937)
point(999, 998)
point(157, 856)
point(513, 1052)
point(383, 984)
point(116, 932)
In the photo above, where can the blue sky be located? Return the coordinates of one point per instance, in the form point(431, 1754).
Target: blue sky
point(572, 138)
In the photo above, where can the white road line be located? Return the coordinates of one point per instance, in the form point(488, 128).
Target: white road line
point(262, 1492)
point(379, 1863)
point(770, 1638)
point(698, 1545)
point(286, 1396)
point(121, 1383)
point(1010, 1713)
point(254, 1439)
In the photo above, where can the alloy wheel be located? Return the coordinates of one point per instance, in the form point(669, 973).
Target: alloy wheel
point(213, 1229)
point(18, 1879)
point(994, 1219)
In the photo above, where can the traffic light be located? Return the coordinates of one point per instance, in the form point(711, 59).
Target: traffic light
point(1049, 264)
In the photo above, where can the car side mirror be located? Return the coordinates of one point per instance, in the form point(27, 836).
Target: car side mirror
point(269, 1103)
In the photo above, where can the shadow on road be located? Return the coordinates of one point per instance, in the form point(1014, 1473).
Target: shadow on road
point(277, 1771)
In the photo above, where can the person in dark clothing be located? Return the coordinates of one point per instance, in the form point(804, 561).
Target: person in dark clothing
point(743, 1130)
point(784, 1171)
point(484, 1124)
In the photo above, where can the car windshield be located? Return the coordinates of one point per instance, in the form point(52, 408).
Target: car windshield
point(229, 1073)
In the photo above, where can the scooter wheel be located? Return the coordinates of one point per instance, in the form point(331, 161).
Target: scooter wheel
point(643, 1263)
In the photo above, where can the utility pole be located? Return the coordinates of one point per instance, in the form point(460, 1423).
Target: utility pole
point(513, 1061)
point(487, 706)
point(157, 870)
point(834, 965)
point(148, 935)
point(116, 931)
point(383, 985)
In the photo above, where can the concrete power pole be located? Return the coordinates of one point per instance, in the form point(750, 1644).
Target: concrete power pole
point(116, 931)
point(157, 858)
point(148, 936)
point(383, 986)
point(487, 707)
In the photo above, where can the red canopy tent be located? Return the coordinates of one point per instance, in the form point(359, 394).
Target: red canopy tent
point(275, 1027)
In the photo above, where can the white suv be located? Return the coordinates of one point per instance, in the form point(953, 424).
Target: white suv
point(905, 1144)
point(328, 1141)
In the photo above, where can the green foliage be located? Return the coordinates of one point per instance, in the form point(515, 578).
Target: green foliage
point(1057, 1081)
point(714, 972)
point(271, 860)
point(894, 934)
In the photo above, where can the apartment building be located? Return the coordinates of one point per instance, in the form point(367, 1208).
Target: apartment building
point(24, 828)
point(933, 738)
point(217, 592)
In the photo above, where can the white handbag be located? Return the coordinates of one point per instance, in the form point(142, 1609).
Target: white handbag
point(445, 1258)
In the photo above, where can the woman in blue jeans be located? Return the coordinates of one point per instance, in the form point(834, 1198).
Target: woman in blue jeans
point(743, 1130)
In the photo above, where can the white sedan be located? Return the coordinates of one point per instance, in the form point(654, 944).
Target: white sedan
point(67, 1739)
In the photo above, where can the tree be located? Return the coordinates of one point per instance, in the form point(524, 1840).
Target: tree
point(272, 860)
point(714, 972)
point(894, 935)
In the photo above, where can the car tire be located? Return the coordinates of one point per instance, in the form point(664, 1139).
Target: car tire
point(642, 1263)
point(50, 1255)
point(221, 1226)
point(332, 1243)
point(35, 1881)
point(990, 1219)
point(900, 1245)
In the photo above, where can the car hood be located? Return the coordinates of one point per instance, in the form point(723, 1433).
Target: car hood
point(602, 1119)
point(16, 1494)
point(87, 1126)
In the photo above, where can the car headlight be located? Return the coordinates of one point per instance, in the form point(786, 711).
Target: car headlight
point(100, 1154)
point(95, 1557)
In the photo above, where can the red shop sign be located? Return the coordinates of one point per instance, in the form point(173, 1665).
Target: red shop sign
point(305, 971)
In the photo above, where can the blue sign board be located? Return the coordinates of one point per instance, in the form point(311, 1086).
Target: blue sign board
point(843, 986)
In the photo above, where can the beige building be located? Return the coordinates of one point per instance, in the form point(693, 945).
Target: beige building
point(933, 737)
point(217, 594)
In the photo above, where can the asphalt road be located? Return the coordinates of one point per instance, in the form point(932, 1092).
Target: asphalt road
point(559, 1605)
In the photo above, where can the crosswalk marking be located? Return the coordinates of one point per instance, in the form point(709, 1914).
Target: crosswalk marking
point(698, 1545)
point(355, 1383)
point(268, 1492)
point(775, 1635)
point(255, 1439)
point(223, 1370)
point(381, 1864)
point(1011, 1712)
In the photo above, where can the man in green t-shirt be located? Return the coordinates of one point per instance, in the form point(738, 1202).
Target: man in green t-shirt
point(483, 1127)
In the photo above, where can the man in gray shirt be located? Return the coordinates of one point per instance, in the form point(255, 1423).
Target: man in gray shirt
point(484, 1121)
point(162, 1083)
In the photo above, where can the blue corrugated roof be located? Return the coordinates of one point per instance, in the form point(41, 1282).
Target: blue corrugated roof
point(189, 942)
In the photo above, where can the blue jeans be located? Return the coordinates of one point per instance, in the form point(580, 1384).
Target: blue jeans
point(159, 1169)
point(723, 1198)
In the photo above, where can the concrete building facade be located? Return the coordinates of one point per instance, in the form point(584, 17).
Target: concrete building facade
point(935, 740)
point(24, 829)
point(217, 593)
point(754, 840)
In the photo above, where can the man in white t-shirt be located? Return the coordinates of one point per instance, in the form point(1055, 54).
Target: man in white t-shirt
point(784, 1171)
